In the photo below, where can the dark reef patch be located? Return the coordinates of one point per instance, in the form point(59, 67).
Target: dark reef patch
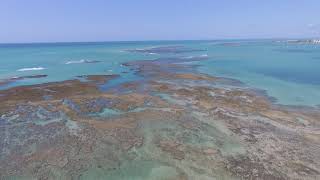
point(230, 44)
point(293, 50)
point(14, 79)
point(166, 50)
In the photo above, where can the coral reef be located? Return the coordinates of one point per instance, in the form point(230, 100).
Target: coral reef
point(175, 124)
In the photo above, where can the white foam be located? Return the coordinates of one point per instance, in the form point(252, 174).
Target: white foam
point(204, 55)
point(201, 56)
point(189, 57)
point(81, 61)
point(31, 69)
point(76, 62)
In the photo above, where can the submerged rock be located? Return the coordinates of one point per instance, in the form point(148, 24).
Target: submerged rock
point(175, 123)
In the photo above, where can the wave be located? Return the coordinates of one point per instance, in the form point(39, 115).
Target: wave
point(204, 55)
point(31, 69)
point(75, 62)
point(201, 56)
point(82, 61)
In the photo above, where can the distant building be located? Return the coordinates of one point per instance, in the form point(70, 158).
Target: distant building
point(304, 41)
point(316, 41)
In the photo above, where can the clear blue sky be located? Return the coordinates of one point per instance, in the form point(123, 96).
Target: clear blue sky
point(109, 20)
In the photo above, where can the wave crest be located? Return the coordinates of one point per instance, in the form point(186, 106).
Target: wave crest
point(82, 61)
point(31, 69)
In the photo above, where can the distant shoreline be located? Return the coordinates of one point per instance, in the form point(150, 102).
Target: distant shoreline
point(161, 40)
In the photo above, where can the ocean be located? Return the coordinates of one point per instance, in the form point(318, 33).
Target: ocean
point(287, 72)
point(227, 109)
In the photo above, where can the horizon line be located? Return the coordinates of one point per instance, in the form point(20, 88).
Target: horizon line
point(114, 41)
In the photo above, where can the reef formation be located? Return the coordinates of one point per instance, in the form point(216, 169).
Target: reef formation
point(174, 123)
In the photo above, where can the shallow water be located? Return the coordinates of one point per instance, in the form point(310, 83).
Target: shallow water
point(161, 119)
point(288, 72)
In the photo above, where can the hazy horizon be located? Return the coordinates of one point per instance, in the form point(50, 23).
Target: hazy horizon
point(44, 21)
point(159, 40)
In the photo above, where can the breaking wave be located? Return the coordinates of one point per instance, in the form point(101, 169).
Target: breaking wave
point(201, 56)
point(31, 69)
point(82, 61)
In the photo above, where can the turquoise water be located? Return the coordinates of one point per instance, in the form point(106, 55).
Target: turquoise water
point(288, 72)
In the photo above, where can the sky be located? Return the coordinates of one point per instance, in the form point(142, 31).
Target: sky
point(129, 20)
